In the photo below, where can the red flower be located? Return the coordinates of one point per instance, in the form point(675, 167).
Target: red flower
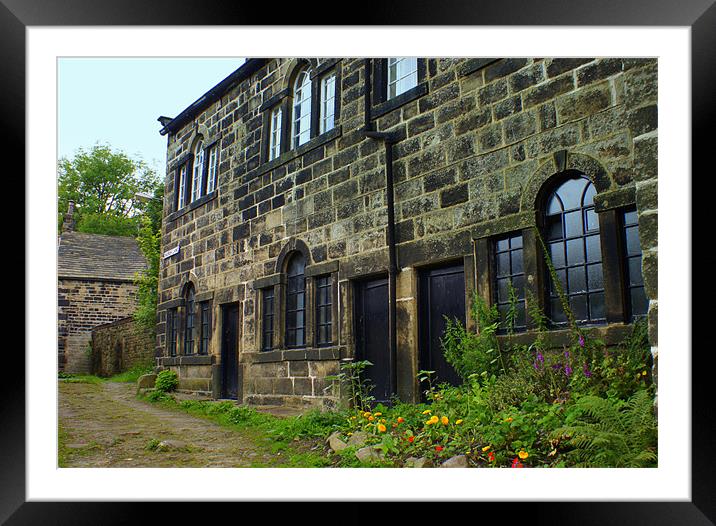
point(516, 463)
point(410, 439)
point(491, 456)
point(438, 448)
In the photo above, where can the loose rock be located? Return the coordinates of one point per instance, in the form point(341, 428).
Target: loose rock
point(336, 443)
point(460, 461)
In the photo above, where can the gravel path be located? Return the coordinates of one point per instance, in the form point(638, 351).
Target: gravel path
point(104, 425)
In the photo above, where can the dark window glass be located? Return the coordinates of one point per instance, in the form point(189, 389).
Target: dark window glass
point(267, 325)
point(324, 302)
point(295, 302)
point(572, 232)
point(205, 327)
point(509, 274)
point(189, 326)
point(636, 296)
point(172, 332)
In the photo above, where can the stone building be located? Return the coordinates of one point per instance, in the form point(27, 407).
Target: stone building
point(323, 210)
point(95, 285)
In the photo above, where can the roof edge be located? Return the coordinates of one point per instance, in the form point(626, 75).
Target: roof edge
point(247, 68)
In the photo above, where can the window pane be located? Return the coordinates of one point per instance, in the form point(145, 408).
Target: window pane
point(591, 220)
point(570, 192)
point(594, 249)
point(503, 290)
point(578, 304)
point(503, 264)
point(596, 305)
point(589, 194)
point(501, 245)
point(554, 227)
point(635, 275)
point(595, 279)
point(575, 251)
point(556, 311)
point(639, 302)
point(573, 224)
point(556, 253)
point(632, 241)
point(516, 242)
point(577, 280)
point(517, 261)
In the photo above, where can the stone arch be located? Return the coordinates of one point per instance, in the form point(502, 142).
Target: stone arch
point(200, 132)
point(293, 245)
point(555, 168)
point(295, 65)
point(190, 279)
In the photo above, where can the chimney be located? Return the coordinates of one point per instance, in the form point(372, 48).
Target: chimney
point(68, 225)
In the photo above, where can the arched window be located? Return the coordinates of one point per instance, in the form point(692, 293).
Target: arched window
point(296, 301)
point(573, 242)
point(198, 171)
point(301, 114)
point(189, 321)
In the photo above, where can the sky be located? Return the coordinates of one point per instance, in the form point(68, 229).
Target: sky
point(117, 101)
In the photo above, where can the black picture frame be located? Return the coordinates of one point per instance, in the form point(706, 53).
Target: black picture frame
point(699, 15)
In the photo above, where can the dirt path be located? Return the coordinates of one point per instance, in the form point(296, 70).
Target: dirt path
point(104, 425)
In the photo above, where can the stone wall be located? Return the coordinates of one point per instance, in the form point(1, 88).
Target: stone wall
point(118, 346)
point(474, 147)
point(82, 306)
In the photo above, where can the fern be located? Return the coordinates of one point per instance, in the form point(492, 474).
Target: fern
point(612, 433)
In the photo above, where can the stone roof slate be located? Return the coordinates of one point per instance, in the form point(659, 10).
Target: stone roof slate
point(95, 256)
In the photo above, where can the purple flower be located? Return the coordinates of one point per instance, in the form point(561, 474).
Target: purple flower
point(567, 370)
point(536, 366)
point(587, 372)
point(557, 366)
point(540, 358)
point(581, 341)
point(566, 354)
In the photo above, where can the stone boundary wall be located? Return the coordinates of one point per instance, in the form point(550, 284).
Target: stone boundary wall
point(83, 305)
point(119, 346)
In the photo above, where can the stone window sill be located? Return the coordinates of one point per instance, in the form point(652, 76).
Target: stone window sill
point(301, 150)
point(389, 105)
point(195, 359)
point(287, 355)
point(611, 334)
point(193, 205)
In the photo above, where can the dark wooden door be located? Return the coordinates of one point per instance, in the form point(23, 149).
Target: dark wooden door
point(371, 322)
point(441, 293)
point(229, 356)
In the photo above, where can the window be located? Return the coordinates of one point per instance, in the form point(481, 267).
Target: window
point(275, 134)
point(172, 332)
point(205, 327)
point(573, 242)
point(212, 168)
point(328, 103)
point(296, 302)
point(182, 181)
point(301, 117)
point(324, 304)
point(402, 75)
point(267, 319)
point(509, 282)
point(637, 302)
point(197, 171)
point(189, 325)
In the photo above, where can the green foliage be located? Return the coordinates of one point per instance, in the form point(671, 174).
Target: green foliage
point(149, 241)
point(152, 445)
point(103, 183)
point(158, 396)
point(353, 379)
point(611, 433)
point(133, 374)
point(474, 354)
point(166, 381)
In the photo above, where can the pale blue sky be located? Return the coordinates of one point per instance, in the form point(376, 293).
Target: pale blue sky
point(117, 100)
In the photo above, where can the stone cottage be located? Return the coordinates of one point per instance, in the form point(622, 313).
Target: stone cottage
point(95, 286)
point(324, 210)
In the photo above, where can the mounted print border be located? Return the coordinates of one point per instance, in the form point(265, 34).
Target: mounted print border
point(701, 16)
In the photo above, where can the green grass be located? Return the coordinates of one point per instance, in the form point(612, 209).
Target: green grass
point(285, 435)
point(130, 376)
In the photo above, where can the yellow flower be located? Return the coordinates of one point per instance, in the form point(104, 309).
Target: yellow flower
point(523, 454)
point(382, 420)
point(366, 414)
point(485, 448)
point(381, 428)
point(428, 422)
point(444, 420)
point(377, 414)
point(434, 419)
point(508, 419)
point(643, 373)
point(427, 412)
point(458, 422)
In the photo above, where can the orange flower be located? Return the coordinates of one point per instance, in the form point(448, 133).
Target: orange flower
point(523, 454)
point(381, 428)
point(401, 419)
point(371, 418)
point(444, 420)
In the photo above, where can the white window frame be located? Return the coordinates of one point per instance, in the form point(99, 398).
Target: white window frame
point(402, 75)
point(197, 171)
point(182, 185)
point(275, 133)
point(327, 120)
point(212, 169)
point(301, 125)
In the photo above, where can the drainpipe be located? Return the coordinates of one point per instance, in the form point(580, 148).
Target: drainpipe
point(390, 139)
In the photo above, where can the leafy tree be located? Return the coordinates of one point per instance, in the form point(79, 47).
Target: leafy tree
point(149, 241)
point(104, 184)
